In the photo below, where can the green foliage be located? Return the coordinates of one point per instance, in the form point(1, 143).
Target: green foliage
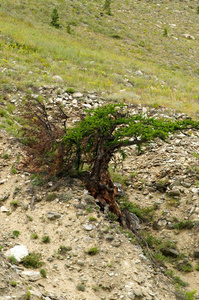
point(55, 18)
point(32, 261)
point(68, 29)
point(34, 236)
point(37, 180)
point(107, 7)
point(43, 273)
point(184, 225)
point(182, 295)
point(197, 9)
point(106, 129)
point(13, 283)
point(28, 295)
point(5, 156)
point(92, 219)
point(13, 170)
point(15, 204)
point(15, 233)
point(13, 260)
point(165, 32)
point(45, 239)
point(92, 251)
point(80, 287)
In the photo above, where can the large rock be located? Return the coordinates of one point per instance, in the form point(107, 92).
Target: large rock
point(31, 275)
point(19, 252)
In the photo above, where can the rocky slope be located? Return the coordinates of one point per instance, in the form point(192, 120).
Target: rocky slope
point(85, 255)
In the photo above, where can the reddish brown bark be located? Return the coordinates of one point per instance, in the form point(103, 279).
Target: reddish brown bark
point(99, 182)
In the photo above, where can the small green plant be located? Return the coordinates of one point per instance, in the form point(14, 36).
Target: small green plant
point(13, 283)
point(197, 267)
point(112, 216)
point(15, 204)
point(34, 236)
point(182, 295)
point(92, 219)
point(197, 9)
point(184, 225)
point(32, 261)
point(28, 295)
point(92, 251)
point(43, 273)
point(68, 29)
point(5, 156)
point(13, 260)
point(55, 19)
point(70, 90)
point(51, 197)
point(165, 32)
point(45, 239)
point(185, 267)
point(81, 287)
point(1, 247)
point(37, 180)
point(30, 218)
point(13, 170)
point(107, 7)
point(15, 233)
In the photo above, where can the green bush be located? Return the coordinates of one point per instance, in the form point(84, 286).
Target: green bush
point(55, 18)
point(32, 261)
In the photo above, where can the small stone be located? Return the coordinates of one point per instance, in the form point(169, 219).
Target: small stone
point(31, 275)
point(109, 237)
point(138, 73)
point(78, 95)
point(53, 215)
point(169, 252)
point(58, 78)
point(174, 193)
point(88, 227)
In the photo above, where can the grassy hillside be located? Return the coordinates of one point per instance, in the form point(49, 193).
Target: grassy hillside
point(103, 52)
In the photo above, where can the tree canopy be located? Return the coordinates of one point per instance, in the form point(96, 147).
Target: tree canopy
point(54, 148)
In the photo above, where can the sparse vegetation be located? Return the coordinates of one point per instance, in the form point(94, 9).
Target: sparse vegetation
point(32, 261)
point(13, 283)
point(92, 251)
point(14, 204)
point(15, 233)
point(55, 18)
point(45, 239)
point(34, 236)
point(43, 273)
point(13, 260)
point(81, 287)
point(64, 249)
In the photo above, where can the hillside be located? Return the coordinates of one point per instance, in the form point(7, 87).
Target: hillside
point(145, 51)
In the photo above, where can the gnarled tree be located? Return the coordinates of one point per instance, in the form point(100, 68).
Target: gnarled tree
point(93, 142)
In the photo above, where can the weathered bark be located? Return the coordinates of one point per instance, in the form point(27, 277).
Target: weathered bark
point(99, 182)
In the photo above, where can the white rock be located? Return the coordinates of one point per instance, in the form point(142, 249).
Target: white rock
point(88, 227)
point(31, 275)
point(188, 36)
point(18, 252)
point(139, 73)
point(78, 95)
point(57, 78)
point(4, 209)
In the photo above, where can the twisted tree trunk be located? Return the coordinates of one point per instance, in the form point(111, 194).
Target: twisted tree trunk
point(99, 182)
